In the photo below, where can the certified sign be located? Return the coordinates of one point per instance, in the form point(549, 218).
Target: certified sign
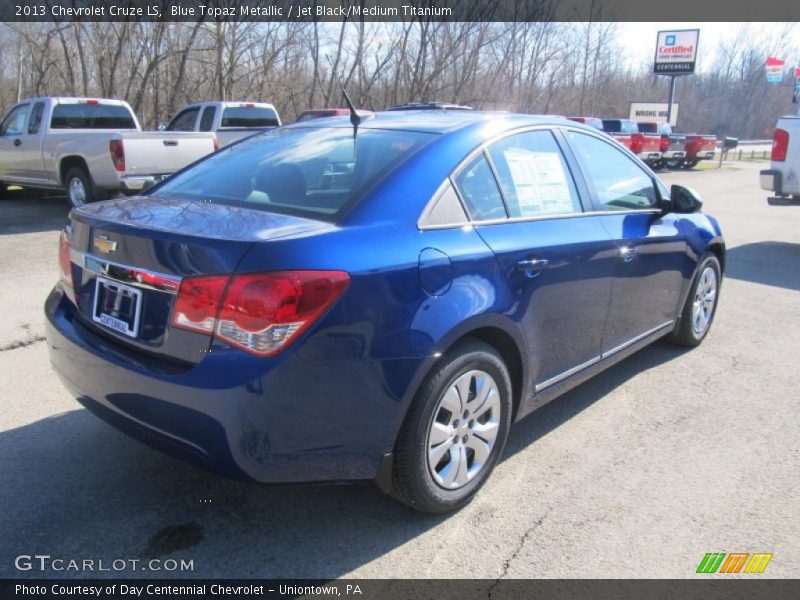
point(676, 52)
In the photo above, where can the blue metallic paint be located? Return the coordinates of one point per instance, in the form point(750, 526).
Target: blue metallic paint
point(329, 407)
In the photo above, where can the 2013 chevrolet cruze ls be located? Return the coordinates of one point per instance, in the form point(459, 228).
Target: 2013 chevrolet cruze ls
point(324, 302)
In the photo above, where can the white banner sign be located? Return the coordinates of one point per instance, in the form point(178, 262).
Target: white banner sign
point(653, 112)
point(676, 51)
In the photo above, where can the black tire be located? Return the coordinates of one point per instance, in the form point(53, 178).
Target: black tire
point(79, 174)
point(674, 163)
point(685, 332)
point(690, 164)
point(413, 480)
point(3, 190)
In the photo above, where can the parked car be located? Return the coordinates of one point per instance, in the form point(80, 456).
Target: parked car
point(782, 176)
point(91, 148)
point(320, 113)
point(673, 145)
point(699, 147)
point(231, 121)
point(646, 146)
point(597, 123)
point(430, 106)
point(253, 316)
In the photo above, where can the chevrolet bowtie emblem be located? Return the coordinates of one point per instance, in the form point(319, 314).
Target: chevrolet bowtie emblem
point(104, 245)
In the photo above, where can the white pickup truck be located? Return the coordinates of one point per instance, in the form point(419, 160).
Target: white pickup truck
point(783, 177)
point(91, 148)
point(231, 121)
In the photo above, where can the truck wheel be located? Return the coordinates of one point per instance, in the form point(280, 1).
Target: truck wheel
point(690, 164)
point(674, 163)
point(701, 303)
point(455, 430)
point(79, 187)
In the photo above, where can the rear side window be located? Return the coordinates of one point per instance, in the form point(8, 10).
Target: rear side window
point(249, 116)
point(35, 119)
point(184, 120)
point(619, 182)
point(533, 175)
point(479, 191)
point(91, 116)
point(314, 172)
point(207, 118)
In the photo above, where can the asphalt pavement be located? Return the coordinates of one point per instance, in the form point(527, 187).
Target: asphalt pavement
point(640, 472)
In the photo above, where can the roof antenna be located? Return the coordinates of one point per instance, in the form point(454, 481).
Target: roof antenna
point(356, 116)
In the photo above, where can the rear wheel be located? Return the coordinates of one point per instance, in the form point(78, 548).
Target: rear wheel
point(690, 164)
point(455, 430)
point(79, 187)
point(701, 304)
point(674, 163)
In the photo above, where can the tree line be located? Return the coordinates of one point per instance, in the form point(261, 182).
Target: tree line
point(530, 67)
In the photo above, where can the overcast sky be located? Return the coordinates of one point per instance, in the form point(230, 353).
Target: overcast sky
point(640, 38)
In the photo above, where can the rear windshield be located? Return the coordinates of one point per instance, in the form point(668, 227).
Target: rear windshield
point(91, 116)
point(253, 116)
point(313, 172)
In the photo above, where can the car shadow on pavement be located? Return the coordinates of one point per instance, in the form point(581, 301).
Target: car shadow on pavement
point(28, 211)
point(767, 263)
point(75, 488)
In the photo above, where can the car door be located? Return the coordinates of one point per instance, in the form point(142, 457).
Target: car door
point(14, 141)
point(650, 247)
point(556, 259)
point(32, 145)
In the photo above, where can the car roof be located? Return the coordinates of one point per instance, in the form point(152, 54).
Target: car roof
point(433, 121)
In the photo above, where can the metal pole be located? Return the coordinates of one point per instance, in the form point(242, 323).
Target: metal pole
point(671, 99)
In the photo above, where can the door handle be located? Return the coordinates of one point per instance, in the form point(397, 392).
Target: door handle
point(532, 266)
point(628, 253)
point(170, 142)
point(17, 142)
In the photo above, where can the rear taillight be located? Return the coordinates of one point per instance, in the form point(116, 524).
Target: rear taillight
point(664, 143)
point(64, 259)
point(637, 142)
point(260, 313)
point(216, 143)
point(780, 145)
point(117, 151)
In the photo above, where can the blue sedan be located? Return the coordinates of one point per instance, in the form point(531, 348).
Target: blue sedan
point(377, 299)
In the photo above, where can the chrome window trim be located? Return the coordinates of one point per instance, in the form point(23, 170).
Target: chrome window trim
point(80, 258)
point(592, 361)
point(482, 148)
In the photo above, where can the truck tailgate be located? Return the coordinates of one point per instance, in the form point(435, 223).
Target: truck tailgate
point(157, 153)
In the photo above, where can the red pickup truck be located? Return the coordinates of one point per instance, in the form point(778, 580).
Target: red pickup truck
point(646, 146)
point(597, 123)
point(699, 147)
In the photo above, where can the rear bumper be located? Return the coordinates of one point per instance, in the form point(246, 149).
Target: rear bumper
point(674, 154)
point(771, 180)
point(287, 419)
point(702, 155)
point(649, 156)
point(132, 184)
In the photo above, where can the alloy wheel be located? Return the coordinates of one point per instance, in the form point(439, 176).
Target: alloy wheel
point(705, 297)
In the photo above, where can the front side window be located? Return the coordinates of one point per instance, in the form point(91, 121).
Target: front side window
point(14, 123)
point(619, 182)
point(533, 175)
point(184, 121)
point(479, 191)
point(314, 172)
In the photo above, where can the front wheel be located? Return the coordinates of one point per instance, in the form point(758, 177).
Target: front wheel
point(701, 304)
point(79, 187)
point(455, 430)
point(674, 163)
point(690, 164)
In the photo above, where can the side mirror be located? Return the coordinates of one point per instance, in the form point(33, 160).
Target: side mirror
point(162, 126)
point(684, 200)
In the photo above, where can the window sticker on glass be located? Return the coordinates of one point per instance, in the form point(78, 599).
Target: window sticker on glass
point(539, 180)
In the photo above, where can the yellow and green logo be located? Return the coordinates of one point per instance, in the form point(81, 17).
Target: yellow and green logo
point(734, 562)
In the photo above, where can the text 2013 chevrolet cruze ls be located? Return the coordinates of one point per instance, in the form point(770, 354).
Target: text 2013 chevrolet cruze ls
point(322, 302)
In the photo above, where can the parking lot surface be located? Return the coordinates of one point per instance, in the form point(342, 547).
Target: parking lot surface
point(638, 473)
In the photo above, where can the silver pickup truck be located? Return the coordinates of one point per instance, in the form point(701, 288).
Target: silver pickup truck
point(91, 148)
point(231, 121)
